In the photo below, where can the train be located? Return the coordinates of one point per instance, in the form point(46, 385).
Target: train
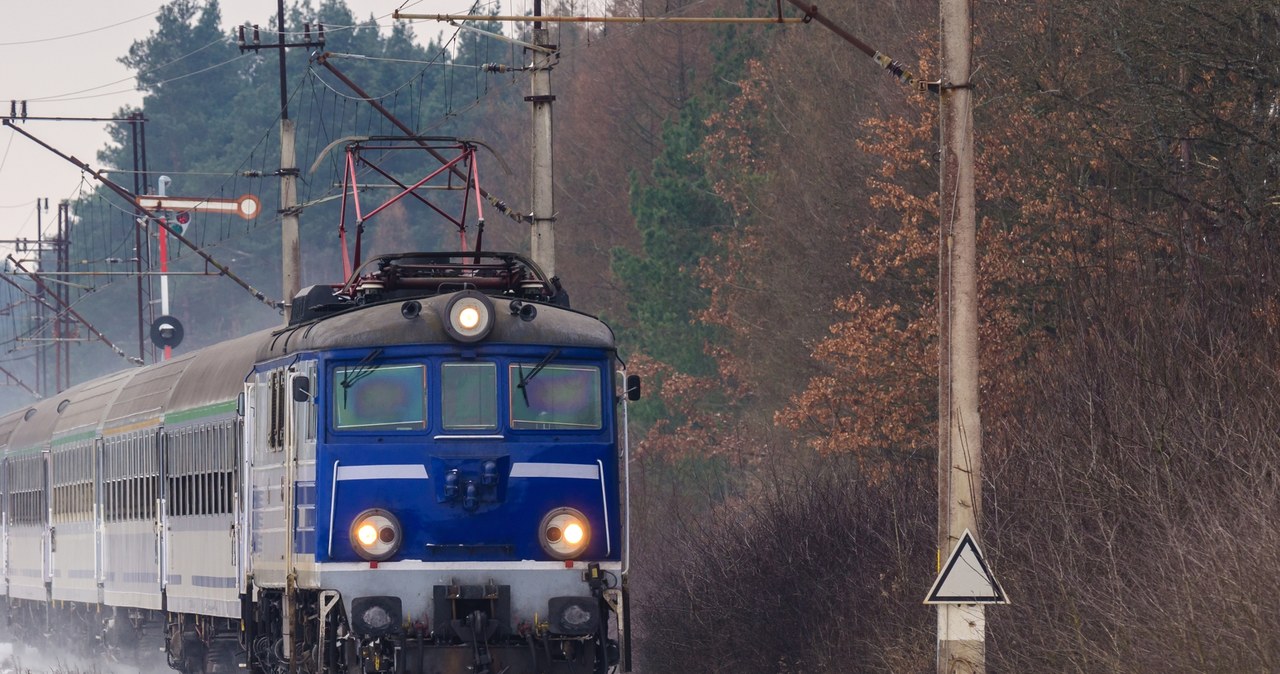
point(424, 471)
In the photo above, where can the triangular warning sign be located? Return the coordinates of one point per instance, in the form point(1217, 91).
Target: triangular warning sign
point(965, 578)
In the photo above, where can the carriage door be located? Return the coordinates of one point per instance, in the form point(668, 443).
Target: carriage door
point(98, 520)
point(244, 486)
point(46, 487)
point(4, 523)
point(301, 439)
point(270, 497)
point(161, 495)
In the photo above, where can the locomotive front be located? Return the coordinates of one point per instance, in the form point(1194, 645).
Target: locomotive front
point(437, 480)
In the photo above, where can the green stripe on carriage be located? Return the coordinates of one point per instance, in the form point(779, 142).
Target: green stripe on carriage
point(197, 413)
point(78, 437)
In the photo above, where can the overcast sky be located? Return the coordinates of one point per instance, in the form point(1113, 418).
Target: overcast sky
point(62, 57)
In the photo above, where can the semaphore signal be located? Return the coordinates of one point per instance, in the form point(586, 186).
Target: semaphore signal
point(246, 206)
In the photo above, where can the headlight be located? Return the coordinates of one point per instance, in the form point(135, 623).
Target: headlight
point(375, 534)
point(469, 316)
point(564, 533)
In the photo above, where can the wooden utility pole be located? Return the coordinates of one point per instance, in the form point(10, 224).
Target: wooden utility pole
point(542, 238)
point(59, 326)
point(142, 249)
point(141, 242)
point(42, 347)
point(961, 627)
point(62, 326)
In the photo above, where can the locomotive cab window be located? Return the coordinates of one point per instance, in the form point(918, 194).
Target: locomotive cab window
point(547, 396)
point(379, 397)
point(469, 396)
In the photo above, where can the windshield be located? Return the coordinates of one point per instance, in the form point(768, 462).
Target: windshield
point(373, 397)
point(469, 396)
point(554, 396)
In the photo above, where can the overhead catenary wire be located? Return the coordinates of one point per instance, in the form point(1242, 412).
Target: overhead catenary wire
point(385, 59)
point(78, 34)
point(75, 95)
point(118, 351)
point(451, 18)
point(365, 119)
point(125, 194)
point(435, 62)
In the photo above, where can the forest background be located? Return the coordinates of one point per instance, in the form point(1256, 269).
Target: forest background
point(755, 210)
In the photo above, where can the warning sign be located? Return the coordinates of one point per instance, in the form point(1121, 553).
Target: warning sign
point(965, 578)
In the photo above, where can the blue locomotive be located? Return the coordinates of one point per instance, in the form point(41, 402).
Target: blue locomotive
point(424, 471)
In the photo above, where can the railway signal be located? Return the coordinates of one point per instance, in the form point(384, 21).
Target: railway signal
point(181, 220)
point(246, 206)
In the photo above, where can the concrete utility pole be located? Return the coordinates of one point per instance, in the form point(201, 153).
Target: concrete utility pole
point(290, 257)
point(542, 237)
point(961, 627)
point(542, 241)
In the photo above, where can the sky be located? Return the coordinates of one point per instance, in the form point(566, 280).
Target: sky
point(62, 57)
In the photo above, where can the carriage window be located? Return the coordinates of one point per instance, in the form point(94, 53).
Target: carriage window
point(469, 396)
point(554, 396)
point(389, 397)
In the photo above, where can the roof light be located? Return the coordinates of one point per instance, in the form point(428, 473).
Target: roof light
point(468, 316)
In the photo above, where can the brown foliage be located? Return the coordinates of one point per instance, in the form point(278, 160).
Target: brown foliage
point(784, 153)
point(705, 422)
point(1129, 318)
